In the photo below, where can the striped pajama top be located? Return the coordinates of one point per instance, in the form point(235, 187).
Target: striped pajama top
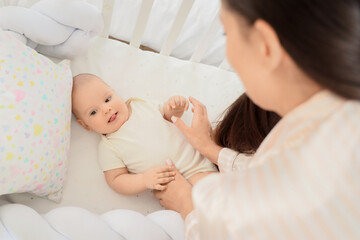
point(303, 182)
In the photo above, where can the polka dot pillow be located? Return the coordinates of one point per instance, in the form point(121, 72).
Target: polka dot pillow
point(35, 103)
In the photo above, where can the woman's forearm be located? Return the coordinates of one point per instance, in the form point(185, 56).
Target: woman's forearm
point(211, 151)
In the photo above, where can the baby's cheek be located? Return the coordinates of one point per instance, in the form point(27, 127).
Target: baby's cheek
point(100, 122)
point(92, 123)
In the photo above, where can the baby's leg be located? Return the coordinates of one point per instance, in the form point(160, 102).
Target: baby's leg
point(197, 176)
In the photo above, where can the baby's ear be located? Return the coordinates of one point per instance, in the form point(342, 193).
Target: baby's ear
point(79, 121)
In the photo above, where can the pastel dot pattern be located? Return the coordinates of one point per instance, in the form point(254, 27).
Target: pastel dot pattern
point(35, 112)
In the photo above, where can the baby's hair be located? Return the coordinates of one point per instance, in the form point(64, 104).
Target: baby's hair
point(81, 79)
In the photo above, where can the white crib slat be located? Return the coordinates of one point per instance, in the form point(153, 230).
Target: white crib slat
point(176, 27)
point(206, 39)
point(141, 22)
point(107, 11)
point(4, 3)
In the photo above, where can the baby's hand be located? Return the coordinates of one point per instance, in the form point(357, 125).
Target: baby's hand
point(155, 178)
point(175, 106)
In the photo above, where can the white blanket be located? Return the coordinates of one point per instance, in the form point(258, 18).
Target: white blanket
point(57, 28)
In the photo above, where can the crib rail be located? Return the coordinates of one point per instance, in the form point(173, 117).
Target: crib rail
point(176, 27)
point(4, 3)
point(175, 30)
point(206, 39)
point(141, 22)
point(107, 11)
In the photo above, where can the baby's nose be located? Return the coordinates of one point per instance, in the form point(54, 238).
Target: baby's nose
point(107, 109)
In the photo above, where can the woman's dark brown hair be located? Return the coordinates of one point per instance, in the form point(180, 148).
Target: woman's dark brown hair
point(245, 125)
point(322, 37)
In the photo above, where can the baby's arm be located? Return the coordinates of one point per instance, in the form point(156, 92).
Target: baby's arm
point(175, 106)
point(127, 183)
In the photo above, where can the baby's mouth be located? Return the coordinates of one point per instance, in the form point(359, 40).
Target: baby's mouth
point(113, 117)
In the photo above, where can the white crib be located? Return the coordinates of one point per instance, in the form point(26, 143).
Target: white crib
point(131, 72)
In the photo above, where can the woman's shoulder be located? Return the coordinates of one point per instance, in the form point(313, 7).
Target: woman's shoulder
point(325, 124)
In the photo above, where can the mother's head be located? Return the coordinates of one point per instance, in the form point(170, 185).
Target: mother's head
point(286, 51)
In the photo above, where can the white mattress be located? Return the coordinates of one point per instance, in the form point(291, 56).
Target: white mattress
point(132, 72)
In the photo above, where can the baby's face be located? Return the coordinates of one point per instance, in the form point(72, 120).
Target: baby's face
point(98, 108)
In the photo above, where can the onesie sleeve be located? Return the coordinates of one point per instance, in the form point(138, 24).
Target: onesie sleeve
point(158, 105)
point(108, 156)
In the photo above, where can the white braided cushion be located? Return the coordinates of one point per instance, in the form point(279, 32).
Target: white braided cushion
point(51, 32)
point(23, 223)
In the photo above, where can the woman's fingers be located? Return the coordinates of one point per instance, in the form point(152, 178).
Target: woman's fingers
point(196, 102)
point(160, 187)
point(181, 125)
point(199, 108)
point(165, 180)
point(176, 196)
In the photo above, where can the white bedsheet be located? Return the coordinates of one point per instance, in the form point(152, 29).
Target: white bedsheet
point(132, 72)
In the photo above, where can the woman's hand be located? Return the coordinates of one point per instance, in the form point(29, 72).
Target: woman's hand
point(157, 178)
point(175, 106)
point(177, 195)
point(199, 134)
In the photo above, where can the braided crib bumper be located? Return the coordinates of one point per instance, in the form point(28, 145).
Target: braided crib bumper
point(21, 222)
point(55, 28)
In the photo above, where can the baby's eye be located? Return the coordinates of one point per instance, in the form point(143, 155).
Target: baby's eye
point(108, 99)
point(93, 112)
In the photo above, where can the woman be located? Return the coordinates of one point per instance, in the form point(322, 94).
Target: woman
point(300, 59)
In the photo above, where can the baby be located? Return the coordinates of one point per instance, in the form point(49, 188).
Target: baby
point(137, 137)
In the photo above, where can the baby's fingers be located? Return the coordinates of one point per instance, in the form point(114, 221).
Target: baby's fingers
point(182, 102)
point(168, 106)
point(165, 169)
point(172, 102)
point(166, 174)
point(186, 104)
point(178, 101)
